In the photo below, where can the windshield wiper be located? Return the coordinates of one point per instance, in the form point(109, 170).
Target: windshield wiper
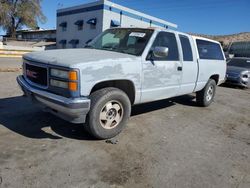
point(115, 49)
point(108, 47)
point(88, 46)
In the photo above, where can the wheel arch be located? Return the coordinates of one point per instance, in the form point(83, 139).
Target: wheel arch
point(215, 77)
point(125, 85)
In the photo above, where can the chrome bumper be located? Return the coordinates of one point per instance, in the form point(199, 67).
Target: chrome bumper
point(73, 110)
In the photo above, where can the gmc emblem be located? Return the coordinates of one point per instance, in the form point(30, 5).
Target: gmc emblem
point(31, 74)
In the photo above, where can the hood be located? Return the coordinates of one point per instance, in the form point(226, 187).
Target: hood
point(238, 70)
point(71, 57)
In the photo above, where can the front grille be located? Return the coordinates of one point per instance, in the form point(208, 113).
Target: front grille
point(233, 74)
point(36, 74)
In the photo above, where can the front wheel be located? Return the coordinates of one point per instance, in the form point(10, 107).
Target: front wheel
point(206, 96)
point(109, 113)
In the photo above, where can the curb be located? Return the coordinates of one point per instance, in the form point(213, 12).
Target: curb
point(14, 51)
point(10, 69)
point(11, 55)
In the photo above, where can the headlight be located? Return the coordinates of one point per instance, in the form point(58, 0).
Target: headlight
point(57, 83)
point(70, 75)
point(59, 73)
point(70, 79)
point(245, 74)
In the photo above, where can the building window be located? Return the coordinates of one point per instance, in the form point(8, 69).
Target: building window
point(63, 43)
point(79, 25)
point(63, 25)
point(74, 43)
point(92, 22)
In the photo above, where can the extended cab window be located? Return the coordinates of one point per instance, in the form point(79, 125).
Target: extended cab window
point(165, 39)
point(209, 50)
point(186, 48)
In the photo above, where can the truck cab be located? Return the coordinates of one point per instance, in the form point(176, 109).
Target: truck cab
point(120, 68)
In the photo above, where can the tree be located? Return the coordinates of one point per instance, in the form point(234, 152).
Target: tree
point(14, 14)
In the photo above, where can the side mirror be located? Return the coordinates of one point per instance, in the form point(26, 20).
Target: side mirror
point(87, 43)
point(160, 52)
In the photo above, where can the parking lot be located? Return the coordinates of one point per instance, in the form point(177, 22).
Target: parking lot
point(168, 143)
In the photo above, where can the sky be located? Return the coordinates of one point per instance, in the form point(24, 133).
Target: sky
point(215, 17)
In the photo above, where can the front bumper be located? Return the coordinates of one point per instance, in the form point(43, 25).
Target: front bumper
point(245, 82)
point(73, 110)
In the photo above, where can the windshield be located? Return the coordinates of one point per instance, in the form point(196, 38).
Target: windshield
point(245, 63)
point(131, 41)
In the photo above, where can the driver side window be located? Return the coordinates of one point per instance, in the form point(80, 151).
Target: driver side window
point(165, 39)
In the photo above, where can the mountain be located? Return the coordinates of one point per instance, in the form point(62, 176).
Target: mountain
point(226, 40)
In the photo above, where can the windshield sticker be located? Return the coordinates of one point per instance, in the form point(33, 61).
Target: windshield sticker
point(137, 34)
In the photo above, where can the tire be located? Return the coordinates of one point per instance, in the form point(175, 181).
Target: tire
point(109, 112)
point(206, 96)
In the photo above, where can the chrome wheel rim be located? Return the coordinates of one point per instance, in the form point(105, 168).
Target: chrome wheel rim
point(210, 93)
point(111, 114)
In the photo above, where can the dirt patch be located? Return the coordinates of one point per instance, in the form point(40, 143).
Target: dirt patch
point(127, 166)
point(237, 129)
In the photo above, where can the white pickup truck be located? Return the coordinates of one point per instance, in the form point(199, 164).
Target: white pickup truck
point(97, 85)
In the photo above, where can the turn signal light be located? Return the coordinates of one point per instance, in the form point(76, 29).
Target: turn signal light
point(73, 75)
point(72, 86)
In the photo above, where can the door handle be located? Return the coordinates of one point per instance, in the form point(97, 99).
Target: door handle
point(179, 68)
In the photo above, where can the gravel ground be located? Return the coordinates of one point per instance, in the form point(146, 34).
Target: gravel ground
point(7, 63)
point(169, 143)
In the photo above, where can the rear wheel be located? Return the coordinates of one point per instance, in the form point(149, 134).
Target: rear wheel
point(109, 112)
point(206, 96)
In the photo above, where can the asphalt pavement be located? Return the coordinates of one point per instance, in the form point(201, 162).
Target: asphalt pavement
point(168, 143)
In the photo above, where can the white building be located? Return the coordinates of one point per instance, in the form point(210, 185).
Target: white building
point(79, 24)
point(37, 35)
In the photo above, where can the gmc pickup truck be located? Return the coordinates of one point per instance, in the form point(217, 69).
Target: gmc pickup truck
point(98, 84)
